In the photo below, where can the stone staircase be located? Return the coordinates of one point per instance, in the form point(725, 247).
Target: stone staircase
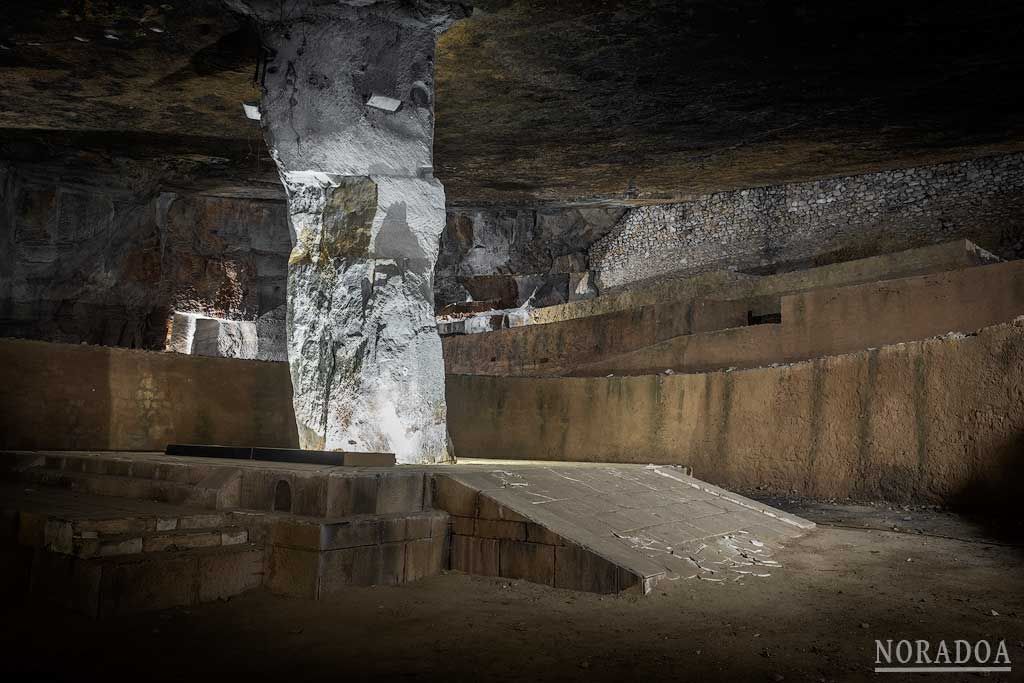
point(203, 486)
point(113, 533)
point(106, 555)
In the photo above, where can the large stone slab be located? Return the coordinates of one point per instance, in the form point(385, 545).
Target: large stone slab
point(606, 528)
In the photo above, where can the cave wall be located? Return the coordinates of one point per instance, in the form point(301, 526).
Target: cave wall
point(77, 264)
point(507, 255)
point(107, 260)
point(785, 227)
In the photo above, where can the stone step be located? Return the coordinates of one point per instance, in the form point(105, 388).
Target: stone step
point(152, 467)
point(124, 584)
point(91, 545)
point(303, 489)
point(145, 523)
point(95, 526)
point(218, 490)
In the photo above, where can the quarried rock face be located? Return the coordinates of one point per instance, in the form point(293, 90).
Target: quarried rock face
point(367, 372)
point(108, 257)
point(348, 116)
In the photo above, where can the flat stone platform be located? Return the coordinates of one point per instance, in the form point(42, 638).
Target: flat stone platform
point(649, 522)
point(114, 522)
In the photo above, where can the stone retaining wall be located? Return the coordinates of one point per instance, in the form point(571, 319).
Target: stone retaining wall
point(701, 335)
point(827, 322)
point(725, 284)
point(936, 421)
point(76, 397)
point(559, 348)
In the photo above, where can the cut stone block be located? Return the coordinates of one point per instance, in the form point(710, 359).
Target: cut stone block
point(428, 524)
point(305, 493)
point(308, 496)
point(225, 338)
point(464, 526)
point(235, 537)
point(400, 493)
point(535, 533)
point(488, 508)
point(178, 541)
point(425, 557)
point(375, 565)
point(352, 495)
point(440, 526)
point(579, 569)
point(351, 534)
point(476, 555)
point(528, 561)
point(490, 528)
point(218, 492)
point(130, 546)
point(222, 576)
point(348, 533)
point(395, 528)
point(454, 497)
point(183, 330)
point(294, 572)
point(136, 586)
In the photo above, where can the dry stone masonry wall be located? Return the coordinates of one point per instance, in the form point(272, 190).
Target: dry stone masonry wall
point(790, 226)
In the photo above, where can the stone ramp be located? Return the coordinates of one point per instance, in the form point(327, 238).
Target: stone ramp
point(606, 528)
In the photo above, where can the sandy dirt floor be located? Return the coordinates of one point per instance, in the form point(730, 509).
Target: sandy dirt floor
point(897, 573)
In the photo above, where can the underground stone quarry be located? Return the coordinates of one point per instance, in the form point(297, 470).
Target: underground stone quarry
point(512, 339)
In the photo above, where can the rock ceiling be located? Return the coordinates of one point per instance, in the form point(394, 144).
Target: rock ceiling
point(557, 101)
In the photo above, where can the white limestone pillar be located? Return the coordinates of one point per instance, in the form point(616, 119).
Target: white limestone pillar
point(347, 112)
